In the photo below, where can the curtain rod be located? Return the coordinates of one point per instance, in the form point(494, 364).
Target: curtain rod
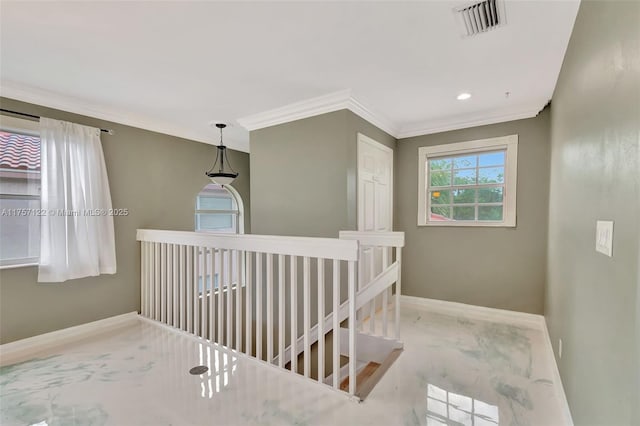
point(37, 117)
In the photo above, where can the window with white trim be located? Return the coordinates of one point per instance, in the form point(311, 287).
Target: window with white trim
point(19, 192)
point(218, 209)
point(468, 183)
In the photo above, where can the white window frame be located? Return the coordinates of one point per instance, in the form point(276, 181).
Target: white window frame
point(239, 218)
point(507, 143)
point(25, 127)
point(238, 212)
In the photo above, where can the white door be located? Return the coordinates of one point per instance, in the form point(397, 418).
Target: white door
point(375, 200)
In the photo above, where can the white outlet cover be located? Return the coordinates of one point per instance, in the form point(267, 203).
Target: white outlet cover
point(604, 237)
point(559, 348)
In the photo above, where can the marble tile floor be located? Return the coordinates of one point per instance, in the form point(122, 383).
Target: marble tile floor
point(453, 371)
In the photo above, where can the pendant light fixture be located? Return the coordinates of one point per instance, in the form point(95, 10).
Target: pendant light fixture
point(221, 176)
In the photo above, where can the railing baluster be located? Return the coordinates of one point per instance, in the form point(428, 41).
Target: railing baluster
point(336, 324)
point(259, 306)
point(143, 278)
point(149, 274)
point(293, 267)
point(212, 296)
point(248, 302)
point(307, 314)
point(183, 281)
point(352, 328)
point(398, 291)
point(385, 293)
point(189, 275)
point(196, 290)
point(239, 256)
point(269, 308)
point(163, 283)
point(221, 279)
point(156, 283)
point(372, 305)
point(320, 320)
point(174, 257)
point(229, 336)
point(281, 308)
point(203, 295)
point(169, 284)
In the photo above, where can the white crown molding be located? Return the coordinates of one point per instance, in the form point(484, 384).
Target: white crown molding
point(378, 120)
point(470, 120)
point(331, 102)
point(12, 90)
point(345, 99)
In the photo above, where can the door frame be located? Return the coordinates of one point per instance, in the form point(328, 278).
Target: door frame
point(364, 139)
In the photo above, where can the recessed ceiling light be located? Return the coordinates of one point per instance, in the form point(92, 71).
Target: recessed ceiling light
point(464, 96)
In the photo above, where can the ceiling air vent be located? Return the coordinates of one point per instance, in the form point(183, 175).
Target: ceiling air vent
point(481, 17)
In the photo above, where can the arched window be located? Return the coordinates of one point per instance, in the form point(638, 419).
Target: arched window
point(219, 209)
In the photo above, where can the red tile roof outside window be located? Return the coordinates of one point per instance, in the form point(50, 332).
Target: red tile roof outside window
point(19, 152)
point(438, 217)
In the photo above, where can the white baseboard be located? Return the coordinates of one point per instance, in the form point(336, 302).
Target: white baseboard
point(21, 349)
point(556, 378)
point(522, 319)
point(479, 312)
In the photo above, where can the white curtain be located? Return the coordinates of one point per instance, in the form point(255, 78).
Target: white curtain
point(76, 237)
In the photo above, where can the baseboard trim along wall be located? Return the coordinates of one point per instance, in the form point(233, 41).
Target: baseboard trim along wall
point(478, 312)
point(522, 319)
point(22, 349)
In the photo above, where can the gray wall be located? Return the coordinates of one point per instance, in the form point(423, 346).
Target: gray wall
point(157, 178)
point(592, 300)
point(495, 267)
point(303, 175)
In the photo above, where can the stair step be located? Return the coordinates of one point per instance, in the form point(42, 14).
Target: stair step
point(363, 375)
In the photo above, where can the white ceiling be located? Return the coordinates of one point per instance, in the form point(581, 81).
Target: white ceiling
point(175, 66)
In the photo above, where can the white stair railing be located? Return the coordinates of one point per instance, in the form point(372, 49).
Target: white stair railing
point(379, 267)
point(245, 292)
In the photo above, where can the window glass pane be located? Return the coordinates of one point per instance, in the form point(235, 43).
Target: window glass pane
point(490, 195)
point(19, 230)
point(440, 197)
point(466, 196)
point(218, 222)
point(439, 213)
point(465, 162)
point(464, 177)
point(487, 411)
point(215, 203)
point(464, 213)
point(208, 281)
point(459, 417)
point(491, 159)
point(491, 175)
point(18, 182)
point(440, 164)
point(490, 213)
point(483, 421)
point(441, 179)
point(461, 401)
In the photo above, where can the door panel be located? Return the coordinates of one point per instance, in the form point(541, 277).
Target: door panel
point(369, 203)
point(375, 194)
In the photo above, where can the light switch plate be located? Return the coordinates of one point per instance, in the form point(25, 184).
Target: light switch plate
point(604, 237)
